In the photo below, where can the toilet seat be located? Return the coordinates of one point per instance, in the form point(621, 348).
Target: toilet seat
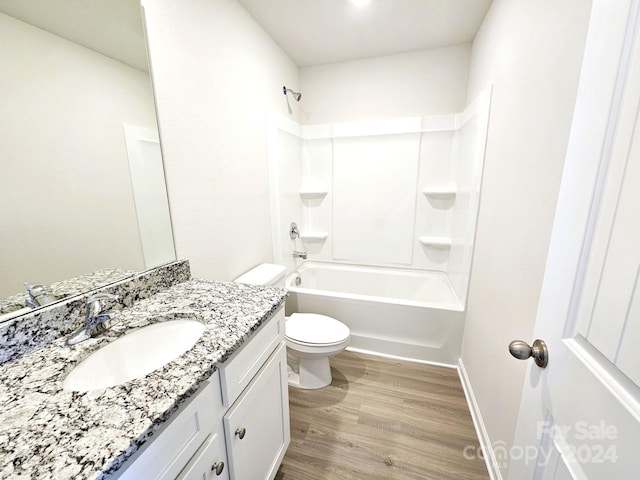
point(310, 329)
point(292, 342)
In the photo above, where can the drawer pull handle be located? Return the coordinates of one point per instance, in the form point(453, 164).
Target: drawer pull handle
point(217, 467)
point(241, 432)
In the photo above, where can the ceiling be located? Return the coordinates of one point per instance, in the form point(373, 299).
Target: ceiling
point(315, 32)
point(111, 27)
point(311, 32)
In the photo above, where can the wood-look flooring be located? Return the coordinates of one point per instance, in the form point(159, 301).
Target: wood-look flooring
point(381, 418)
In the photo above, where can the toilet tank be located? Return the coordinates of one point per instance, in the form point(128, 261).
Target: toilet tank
point(264, 274)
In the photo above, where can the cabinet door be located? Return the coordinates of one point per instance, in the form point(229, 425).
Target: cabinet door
point(257, 425)
point(237, 372)
point(209, 463)
point(164, 456)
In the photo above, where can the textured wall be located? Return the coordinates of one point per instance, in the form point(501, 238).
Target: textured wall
point(531, 51)
point(216, 74)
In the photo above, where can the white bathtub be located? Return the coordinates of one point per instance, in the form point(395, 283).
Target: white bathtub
point(403, 313)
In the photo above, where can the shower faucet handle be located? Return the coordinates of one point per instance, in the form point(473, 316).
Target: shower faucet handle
point(294, 232)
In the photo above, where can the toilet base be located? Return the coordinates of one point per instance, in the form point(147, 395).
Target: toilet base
point(312, 373)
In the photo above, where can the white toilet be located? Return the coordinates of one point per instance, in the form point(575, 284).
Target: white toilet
point(311, 338)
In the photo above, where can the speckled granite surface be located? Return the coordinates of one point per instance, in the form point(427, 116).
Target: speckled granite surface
point(71, 286)
point(46, 432)
point(43, 325)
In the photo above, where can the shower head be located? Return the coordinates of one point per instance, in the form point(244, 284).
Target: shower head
point(297, 96)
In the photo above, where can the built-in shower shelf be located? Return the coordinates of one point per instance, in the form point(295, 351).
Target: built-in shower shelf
point(313, 236)
point(441, 243)
point(440, 193)
point(313, 192)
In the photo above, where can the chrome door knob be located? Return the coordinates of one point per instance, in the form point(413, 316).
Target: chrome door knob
point(521, 350)
point(240, 432)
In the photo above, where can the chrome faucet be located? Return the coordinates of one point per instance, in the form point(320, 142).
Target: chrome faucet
point(97, 320)
point(302, 255)
point(38, 295)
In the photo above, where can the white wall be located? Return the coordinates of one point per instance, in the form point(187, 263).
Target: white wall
point(216, 73)
point(531, 51)
point(374, 196)
point(426, 82)
point(66, 202)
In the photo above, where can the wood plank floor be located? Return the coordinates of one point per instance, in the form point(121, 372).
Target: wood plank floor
point(381, 419)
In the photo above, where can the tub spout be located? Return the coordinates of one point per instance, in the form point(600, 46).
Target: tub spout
point(302, 255)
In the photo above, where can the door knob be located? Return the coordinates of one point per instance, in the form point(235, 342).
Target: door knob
point(240, 432)
point(217, 467)
point(521, 350)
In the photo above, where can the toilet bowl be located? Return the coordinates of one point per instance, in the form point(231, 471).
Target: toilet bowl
point(310, 338)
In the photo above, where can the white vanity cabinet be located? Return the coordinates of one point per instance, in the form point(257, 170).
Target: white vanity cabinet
point(236, 427)
point(254, 388)
point(182, 437)
point(208, 463)
point(257, 425)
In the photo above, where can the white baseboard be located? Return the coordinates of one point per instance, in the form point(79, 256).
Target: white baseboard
point(481, 431)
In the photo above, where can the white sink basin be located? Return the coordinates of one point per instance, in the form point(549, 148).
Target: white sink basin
point(134, 355)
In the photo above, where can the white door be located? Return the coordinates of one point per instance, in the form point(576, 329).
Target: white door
point(580, 416)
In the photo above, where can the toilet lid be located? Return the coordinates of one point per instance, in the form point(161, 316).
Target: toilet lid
point(315, 328)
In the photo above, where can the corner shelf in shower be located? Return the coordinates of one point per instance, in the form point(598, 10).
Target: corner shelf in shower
point(440, 243)
point(310, 193)
point(440, 193)
point(313, 236)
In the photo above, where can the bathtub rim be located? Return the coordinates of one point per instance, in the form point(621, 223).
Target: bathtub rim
point(290, 286)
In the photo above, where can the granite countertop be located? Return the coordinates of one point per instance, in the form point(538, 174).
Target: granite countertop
point(46, 432)
point(69, 287)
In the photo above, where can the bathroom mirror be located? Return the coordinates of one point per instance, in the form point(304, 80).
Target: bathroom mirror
point(83, 195)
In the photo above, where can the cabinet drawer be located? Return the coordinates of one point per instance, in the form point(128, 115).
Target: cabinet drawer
point(210, 459)
point(170, 449)
point(257, 425)
point(237, 371)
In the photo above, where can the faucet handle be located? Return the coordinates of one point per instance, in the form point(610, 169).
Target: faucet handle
point(294, 232)
point(96, 304)
point(102, 296)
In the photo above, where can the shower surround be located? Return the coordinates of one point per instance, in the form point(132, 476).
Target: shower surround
point(398, 193)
